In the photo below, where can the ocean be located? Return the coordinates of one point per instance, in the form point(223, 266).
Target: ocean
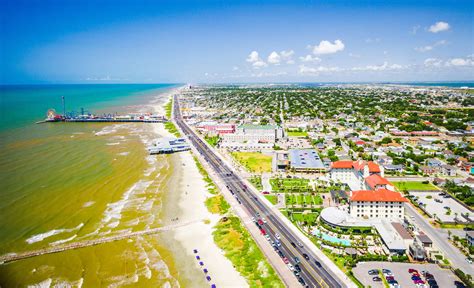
point(67, 182)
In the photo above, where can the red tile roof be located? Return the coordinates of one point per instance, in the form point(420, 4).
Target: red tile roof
point(380, 195)
point(342, 165)
point(376, 179)
point(373, 168)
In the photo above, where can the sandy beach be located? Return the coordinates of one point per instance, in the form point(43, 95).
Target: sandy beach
point(187, 194)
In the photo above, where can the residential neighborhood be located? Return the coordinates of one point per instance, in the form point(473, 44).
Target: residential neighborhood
point(367, 172)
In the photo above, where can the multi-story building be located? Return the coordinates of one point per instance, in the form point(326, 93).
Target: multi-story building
point(355, 173)
point(254, 133)
point(381, 203)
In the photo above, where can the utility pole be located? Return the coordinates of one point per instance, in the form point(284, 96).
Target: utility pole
point(64, 106)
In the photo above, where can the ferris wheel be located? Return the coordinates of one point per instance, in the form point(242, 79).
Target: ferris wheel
point(51, 113)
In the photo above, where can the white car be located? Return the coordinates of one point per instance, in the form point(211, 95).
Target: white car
point(277, 236)
point(291, 267)
point(469, 260)
point(264, 221)
point(267, 237)
point(253, 219)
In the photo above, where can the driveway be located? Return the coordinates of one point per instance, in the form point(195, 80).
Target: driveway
point(457, 259)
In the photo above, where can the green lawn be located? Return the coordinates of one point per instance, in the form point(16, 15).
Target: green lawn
point(254, 161)
point(243, 252)
point(272, 198)
point(300, 199)
point(256, 182)
point(404, 185)
point(297, 133)
point(309, 217)
point(290, 185)
point(213, 141)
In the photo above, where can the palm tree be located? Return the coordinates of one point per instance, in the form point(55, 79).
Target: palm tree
point(449, 234)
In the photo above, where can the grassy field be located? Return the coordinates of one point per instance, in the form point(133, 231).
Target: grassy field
point(244, 254)
point(300, 199)
point(257, 182)
point(169, 126)
point(254, 161)
point(217, 205)
point(297, 133)
point(211, 187)
point(213, 141)
point(290, 185)
point(272, 198)
point(309, 217)
point(404, 185)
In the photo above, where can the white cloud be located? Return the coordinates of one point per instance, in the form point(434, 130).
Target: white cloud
point(256, 61)
point(310, 58)
point(259, 64)
point(469, 61)
point(431, 47)
point(384, 67)
point(235, 68)
point(305, 70)
point(439, 27)
point(274, 58)
point(267, 74)
point(326, 47)
point(287, 56)
point(433, 62)
point(253, 57)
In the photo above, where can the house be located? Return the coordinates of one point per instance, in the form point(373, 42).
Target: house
point(429, 170)
point(448, 170)
point(393, 168)
point(424, 240)
point(375, 182)
point(433, 162)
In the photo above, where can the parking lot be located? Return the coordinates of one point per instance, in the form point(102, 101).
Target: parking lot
point(445, 278)
point(435, 203)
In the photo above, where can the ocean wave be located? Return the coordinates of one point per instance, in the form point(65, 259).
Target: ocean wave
point(42, 236)
point(113, 144)
point(88, 204)
point(64, 240)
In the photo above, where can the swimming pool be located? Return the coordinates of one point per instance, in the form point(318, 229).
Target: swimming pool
point(330, 238)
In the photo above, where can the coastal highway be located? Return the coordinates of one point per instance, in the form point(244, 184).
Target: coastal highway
point(313, 271)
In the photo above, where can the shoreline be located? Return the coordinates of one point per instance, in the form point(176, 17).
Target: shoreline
point(186, 201)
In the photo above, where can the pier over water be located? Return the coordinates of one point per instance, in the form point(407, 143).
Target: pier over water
point(10, 257)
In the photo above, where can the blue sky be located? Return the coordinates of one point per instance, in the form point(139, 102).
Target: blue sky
point(243, 41)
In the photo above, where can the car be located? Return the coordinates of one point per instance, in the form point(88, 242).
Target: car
point(297, 260)
point(419, 282)
point(265, 193)
point(278, 243)
point(296, 273)
point(257, 214)
point(272, 242)
point(264, 221)
point(301, 280)
point(263, 231)
point(253, 219)
point(285, 260)
point(317, 263)
point(373, 272)
point(281, 254)
point(459, 284)
point(297, 267)
point(267, 237)
point(469, 260)
point(393, 281)
point(260, 222)
point(299, 244)
point(386, 271)
point(411, 270)
point(305, 256)
point(389, 278)
point(387, 274)
point(446, 207)
point(291, 267)
point(277, 236)
point(293, 244)
point(429, 276)
point(376, 279)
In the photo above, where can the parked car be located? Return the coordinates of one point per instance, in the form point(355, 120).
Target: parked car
point(386, 271)
point(291, 267)
point(265, 192)
point(376, 279)
point(305, 256)
point(285, 260)
point(264, 221)
point(411, 270)
point(297, 260)
point(469, 260)
point(373, 272)
point(263, 231)
point(260, 222)
point(253, 219)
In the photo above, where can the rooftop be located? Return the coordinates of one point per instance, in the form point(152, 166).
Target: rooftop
point(380, 195)
point(305, 158)
point(375, 179)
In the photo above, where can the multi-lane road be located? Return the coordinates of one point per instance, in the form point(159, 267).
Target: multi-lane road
point(313, 272)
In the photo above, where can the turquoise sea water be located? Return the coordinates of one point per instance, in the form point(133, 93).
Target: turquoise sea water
point(22, 105)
